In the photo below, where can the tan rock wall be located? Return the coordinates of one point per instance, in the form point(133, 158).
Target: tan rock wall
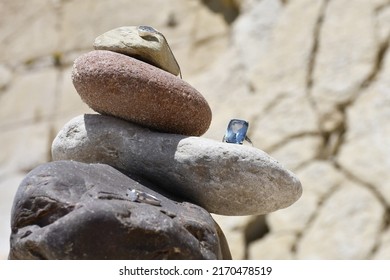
point(311, 77)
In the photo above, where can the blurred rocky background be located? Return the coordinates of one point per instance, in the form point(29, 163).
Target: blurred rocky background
point(312, 77)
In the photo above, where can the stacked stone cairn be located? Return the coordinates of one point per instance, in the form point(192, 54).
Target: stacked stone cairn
point(137, 181)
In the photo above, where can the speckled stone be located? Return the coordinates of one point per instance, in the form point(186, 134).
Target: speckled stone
point(223, 178)
point(121, 86)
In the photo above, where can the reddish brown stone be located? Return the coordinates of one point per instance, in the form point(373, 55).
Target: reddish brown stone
point(121, 86)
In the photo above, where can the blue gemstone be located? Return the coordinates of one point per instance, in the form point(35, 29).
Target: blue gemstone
point(236, 131)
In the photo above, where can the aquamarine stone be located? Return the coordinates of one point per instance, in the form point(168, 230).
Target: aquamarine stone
point(236, 131)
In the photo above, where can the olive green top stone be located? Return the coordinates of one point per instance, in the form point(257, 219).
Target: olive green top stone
point(142, 42)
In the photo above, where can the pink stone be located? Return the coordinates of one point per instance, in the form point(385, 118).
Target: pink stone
point(118, 85)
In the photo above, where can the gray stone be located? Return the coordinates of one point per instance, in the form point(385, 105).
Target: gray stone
point(119, 85)
point(223, 178)
point(151, 47)
point(72, 210)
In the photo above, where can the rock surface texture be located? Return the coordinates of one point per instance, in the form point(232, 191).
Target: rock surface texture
point(121, 86)
point(72, 210)
point(141, 42)
point(223, 178)
point(315, 92)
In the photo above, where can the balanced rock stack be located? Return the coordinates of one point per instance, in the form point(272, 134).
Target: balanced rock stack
point(136, 181)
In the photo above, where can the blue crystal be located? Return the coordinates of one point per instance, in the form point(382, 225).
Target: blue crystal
point(148, 29)
point(236, 131)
